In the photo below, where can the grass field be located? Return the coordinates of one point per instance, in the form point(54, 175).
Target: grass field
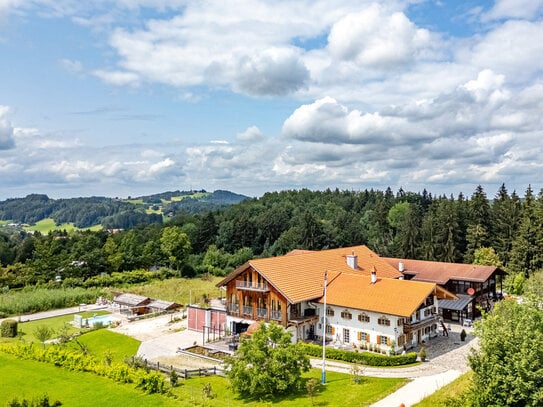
point(44, 226)
point(30, 379)
point(452, 390)
point(23, 378)
point(56, 324)
point(180, 290)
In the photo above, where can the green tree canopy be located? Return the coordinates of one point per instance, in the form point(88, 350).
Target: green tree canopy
point(508, 366)
point(267, 363)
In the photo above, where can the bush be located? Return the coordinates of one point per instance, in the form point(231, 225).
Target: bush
point(8, 328)
point(463, 335)
point(365, 358)
point(42, 401)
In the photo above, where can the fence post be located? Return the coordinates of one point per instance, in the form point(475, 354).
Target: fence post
point(186, 374)
point(157, 365)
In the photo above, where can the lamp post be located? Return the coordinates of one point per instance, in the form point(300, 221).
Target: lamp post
point(323, 377)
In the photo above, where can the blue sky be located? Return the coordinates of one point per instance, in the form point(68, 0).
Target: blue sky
point(132, 97)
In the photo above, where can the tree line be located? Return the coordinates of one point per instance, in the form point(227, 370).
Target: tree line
point(506, 231)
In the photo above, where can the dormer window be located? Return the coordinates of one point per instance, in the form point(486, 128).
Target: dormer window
point(383, 321)
point(346, 314)
point(363, 317)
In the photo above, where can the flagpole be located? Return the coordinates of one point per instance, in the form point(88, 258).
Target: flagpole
point(323, 377)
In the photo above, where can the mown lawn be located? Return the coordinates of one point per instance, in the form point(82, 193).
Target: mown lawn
point(103, 342)
point(29, 379)
point(452, 390)
point(56, 324)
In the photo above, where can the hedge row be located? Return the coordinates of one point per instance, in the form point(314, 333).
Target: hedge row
point(149, 382)
point(365, 358)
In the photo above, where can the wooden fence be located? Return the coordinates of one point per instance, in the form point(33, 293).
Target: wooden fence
point(185, 373)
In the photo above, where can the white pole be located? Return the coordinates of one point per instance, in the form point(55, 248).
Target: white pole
point(323, 377)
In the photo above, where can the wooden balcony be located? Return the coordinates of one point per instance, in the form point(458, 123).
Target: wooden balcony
point(250, 286)
point(413, 326)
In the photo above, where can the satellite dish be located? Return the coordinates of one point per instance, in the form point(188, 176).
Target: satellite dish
point(470, 291)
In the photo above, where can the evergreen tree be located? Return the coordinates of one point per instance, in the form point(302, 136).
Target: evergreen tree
point(526, 252)
point(505, 215)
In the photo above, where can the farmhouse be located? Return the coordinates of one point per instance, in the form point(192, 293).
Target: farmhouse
point(475, 286)
point(367, 299)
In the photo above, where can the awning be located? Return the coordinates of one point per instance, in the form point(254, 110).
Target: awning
point(456, 305)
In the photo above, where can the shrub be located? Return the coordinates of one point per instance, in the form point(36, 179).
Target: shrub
point(8, 328)
point(463, 335)
point(422, 353)
point(365, 358)
point(42, 401)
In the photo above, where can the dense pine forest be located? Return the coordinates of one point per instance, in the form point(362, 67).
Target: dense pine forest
point(504, 230)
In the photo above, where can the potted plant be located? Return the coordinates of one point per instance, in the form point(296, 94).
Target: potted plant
point(422, 354)
point(463, 335)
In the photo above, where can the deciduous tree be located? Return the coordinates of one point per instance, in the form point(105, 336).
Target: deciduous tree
point(267, 363)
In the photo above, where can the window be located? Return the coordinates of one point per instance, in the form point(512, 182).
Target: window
point(346, 315)
point(363, 336)
point(363, 317)
point(383, 340)
point(346, 335)
point(383, 321)
point(400, 321)
point(329, 312)
point(330, 329)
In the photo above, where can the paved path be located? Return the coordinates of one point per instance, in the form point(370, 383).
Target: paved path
point(55, 313)
point(447, 360)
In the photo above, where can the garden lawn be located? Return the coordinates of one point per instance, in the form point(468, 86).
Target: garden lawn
point(26, 329)
point(102, 342)
point(338, 391)
point(30, 379)
point(450, 391)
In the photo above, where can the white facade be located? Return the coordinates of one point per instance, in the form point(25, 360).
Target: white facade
point(377, 331)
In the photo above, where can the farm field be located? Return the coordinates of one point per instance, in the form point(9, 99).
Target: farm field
point(47, 225)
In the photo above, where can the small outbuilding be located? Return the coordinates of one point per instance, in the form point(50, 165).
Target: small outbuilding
point(163, 306)
point(131, 304)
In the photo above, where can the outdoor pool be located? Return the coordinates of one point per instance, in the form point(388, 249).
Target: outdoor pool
point(105, 320)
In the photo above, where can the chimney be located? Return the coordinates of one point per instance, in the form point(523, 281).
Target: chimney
point(373, 275)
point(401, 267)
point(352, 261)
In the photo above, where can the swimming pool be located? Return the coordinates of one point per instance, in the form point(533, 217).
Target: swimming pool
point(105, 320)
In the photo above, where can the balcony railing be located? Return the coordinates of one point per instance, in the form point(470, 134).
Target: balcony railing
point(249, 285)
point(261, 312)
point(412, 326)
point(232, 307)
point(248, 309)
point(276, 315)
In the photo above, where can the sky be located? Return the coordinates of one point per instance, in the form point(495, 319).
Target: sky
point(134, 97)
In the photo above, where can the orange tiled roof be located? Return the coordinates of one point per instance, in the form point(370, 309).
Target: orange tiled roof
point(441, 272)
point(387, 296)
point(299, 275)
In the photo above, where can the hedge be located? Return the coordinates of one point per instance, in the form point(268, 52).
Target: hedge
point(365, 358)
point(8, 328)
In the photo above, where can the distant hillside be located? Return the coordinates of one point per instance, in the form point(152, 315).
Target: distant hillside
point(113, 213)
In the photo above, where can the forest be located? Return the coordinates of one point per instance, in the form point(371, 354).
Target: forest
point(505, 230)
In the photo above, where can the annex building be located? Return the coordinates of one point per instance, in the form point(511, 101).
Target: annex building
point(367, 299)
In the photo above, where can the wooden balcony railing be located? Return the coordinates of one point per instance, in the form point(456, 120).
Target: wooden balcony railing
point(250, 286)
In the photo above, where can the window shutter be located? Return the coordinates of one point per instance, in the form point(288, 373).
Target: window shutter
point(367, 337)
point(378, 339)
point(359, 336)
point(333, 330)
point(388, 341)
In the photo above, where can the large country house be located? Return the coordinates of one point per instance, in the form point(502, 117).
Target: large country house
point(367, 299)
point(477, 287)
